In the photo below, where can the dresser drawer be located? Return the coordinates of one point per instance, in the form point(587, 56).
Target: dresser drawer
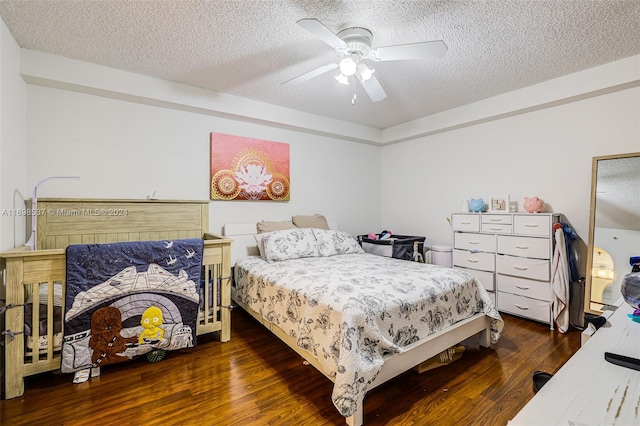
point(466, 222)
point(532, 224)
point(496, 228)
point(486, 278)
point(536, 269)
point(523, 287)
point(538, 248)
point(497, 219)
point(474, 242)
point(479, 260)
point(524, 306)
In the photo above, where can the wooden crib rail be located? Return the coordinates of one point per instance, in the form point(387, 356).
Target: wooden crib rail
point(216, 312)
point(25, 272)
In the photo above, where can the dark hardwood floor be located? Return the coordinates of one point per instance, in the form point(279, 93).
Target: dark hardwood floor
point(256, 380)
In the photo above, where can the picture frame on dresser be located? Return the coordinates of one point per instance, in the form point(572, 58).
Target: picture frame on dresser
point(499, 204)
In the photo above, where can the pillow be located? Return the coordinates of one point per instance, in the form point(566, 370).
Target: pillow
point(315, 221)
point(259, 238)
point(331, 243)
point(274, 226)
point(289, 244)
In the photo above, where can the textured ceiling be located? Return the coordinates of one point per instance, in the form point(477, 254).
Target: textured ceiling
point(248, 48)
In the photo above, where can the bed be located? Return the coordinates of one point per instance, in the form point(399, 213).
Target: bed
point(360, 319)
point(39, 275)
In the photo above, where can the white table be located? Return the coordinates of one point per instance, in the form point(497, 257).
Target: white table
point(588, 390)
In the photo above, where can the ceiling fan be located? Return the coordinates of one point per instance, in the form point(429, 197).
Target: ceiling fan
point(354, 47)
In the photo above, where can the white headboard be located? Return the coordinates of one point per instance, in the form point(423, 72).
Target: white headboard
point(244, 242)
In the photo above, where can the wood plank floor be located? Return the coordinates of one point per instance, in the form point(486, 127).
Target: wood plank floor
point(256, 380)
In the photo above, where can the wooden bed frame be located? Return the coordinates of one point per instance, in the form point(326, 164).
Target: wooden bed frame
point(87, 221)
point(395, 364)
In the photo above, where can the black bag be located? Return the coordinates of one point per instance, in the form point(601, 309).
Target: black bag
point(397, 246)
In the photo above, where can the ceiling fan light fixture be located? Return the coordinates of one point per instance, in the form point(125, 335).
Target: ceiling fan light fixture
point(342, 79)
point(364, 72)
point(348, 66)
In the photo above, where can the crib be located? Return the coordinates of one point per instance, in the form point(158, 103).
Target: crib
point(33, 277)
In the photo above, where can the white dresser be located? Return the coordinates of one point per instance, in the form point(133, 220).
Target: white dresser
point(510, 254)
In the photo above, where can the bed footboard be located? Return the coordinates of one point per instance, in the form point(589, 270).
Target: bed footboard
point(37, 278)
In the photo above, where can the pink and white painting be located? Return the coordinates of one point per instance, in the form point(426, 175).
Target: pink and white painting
point(248, 169)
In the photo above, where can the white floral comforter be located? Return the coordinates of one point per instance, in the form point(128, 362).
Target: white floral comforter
point(350, 310)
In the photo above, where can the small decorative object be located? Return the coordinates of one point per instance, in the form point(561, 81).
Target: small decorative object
point(533, 204)
point(465, 206)
point(630, 290)
point(476, 205)
point(499, 204)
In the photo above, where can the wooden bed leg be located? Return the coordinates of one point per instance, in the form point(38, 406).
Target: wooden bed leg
point(357, 417)
point(485, 337)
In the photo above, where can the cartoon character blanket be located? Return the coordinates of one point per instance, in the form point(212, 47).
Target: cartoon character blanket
point(127, 299)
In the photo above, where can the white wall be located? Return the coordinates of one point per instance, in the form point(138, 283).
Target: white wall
point(105, 124)
point(12, 143)
point(128, 150)
point(546, 152)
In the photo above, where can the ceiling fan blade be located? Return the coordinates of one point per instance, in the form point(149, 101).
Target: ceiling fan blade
point(423, 50)
point(311, 74)
point(316, 28)
point(374, 89)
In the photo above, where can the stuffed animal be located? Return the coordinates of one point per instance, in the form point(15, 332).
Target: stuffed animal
point(106, 341)
point(476, 205)
point(533, 204)
point(151, 320)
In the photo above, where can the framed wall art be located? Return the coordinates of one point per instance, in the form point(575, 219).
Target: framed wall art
point(499, 204)
point(248, 169)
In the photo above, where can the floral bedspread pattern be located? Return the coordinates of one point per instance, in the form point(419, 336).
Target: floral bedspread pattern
point(350, 310)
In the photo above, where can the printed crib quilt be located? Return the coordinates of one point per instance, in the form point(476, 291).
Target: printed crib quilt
point(350, 310)
point(127, 299)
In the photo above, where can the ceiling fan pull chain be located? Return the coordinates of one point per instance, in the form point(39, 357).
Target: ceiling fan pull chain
point(353, 100)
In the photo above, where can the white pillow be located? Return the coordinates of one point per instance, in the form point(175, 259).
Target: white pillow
point(259, 238)
point(331, 243)
point(289, 244)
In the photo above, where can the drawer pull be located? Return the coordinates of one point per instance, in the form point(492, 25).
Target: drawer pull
point(495, 219)
point(522, 247)
point(496, 229)
point(530, 225)
point(520, 268)
point(522, 287)
point(524, 308)
point(472, 260)
point(465, 223)
point(474, 242)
